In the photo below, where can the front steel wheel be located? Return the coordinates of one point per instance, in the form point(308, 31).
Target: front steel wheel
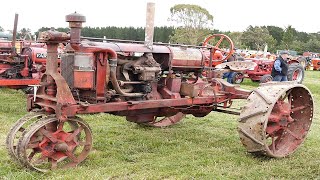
point(49, 144)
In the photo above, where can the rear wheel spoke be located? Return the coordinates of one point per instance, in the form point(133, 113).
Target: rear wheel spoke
point(293, 134)
point(298, 108)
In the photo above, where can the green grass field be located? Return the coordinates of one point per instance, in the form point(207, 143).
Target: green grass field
point(196, 148)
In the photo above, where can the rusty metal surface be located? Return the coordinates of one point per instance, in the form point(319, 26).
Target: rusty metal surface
point(186, 57)
point(167, 121)
point(237, 66)
point(149, 30)
point(276, 119)
point(48, 145)
point(17, 131)
point(14, 33)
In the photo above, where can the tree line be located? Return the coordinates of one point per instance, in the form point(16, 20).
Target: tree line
point(161, 34)
point(254, 37)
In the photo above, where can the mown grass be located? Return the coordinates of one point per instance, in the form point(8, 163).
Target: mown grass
point(196, 148)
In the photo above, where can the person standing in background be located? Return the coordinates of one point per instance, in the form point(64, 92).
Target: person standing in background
point(280, 67)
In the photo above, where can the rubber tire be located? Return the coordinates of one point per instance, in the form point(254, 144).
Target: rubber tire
point(303, 62)
point(292, 69)
point(266, 78)
point(234, 79)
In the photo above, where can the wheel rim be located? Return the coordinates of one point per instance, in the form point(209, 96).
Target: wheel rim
point(51, 145)
point(18, 130)
point(297, 75)
point(277, 119)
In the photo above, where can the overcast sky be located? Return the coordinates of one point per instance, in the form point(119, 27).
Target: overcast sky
point(229, 15)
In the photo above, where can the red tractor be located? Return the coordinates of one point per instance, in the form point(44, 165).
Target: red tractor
point(22, 63)
point(150, 84)
point(315, 64)
point(262, 71)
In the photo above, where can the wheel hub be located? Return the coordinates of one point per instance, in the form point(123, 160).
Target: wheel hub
point(56, 146)
point(283, 122)
point(280, 118)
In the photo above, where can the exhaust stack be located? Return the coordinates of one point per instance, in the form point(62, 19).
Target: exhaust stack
point(14, 33)
point(149, 31)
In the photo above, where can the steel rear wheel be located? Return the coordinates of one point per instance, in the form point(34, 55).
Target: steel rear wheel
point(276, 119)
point(49, 144)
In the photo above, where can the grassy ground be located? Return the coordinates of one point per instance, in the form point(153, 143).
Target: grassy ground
point(196, 148)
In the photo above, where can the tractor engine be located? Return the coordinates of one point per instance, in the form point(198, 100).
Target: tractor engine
point(134, 73)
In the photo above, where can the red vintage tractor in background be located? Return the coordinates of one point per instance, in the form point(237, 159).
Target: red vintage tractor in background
point(315, 63)
point(22, 63)
point(262, 71)
point(150, 84)
point(312, 60)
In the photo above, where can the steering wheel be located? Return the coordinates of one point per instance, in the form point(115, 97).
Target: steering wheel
point(227, 53)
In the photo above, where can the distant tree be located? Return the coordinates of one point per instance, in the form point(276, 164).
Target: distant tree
point(162, 34)
point(288, 37)
point(42, 29)
point(25, 33)
point(303, 37)
point(236, 38)
point(60, 29)
point(257, 37)
point(1, 29)
point(313, 45)
point(193, 23)
point(276, 33)
point(298, 46)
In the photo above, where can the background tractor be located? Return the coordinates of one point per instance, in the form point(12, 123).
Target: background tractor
point(262, 71)
point(22, 63)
